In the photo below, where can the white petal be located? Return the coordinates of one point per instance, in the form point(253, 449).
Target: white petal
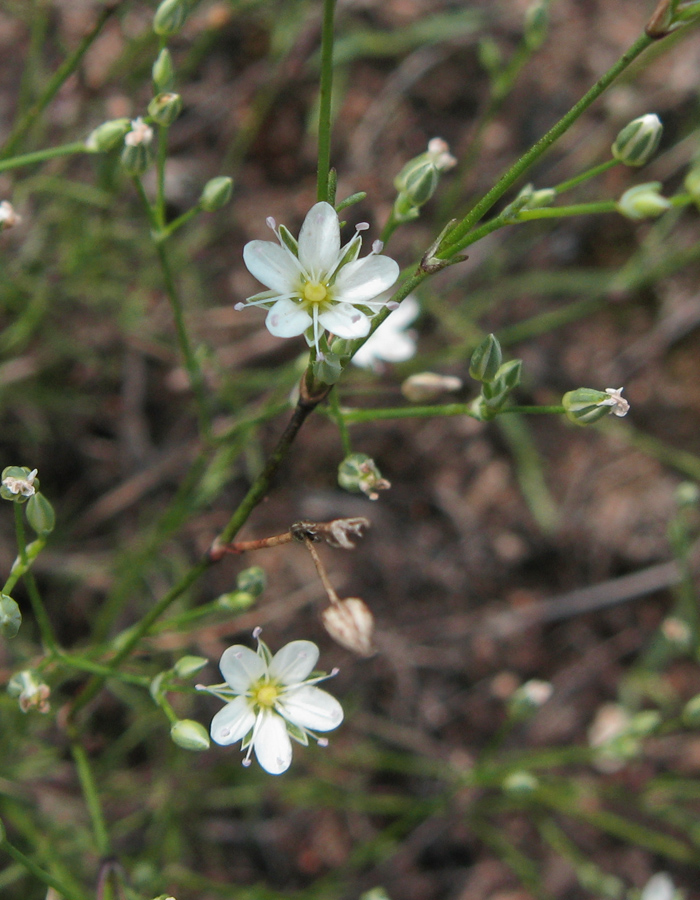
point(273, 265)
point(287, 319)
point(240, 666)
point(345, 321)
point(310, 707)
point(659, 887)
point(272, 745)
point(232, 722)
point(294, 662)
point(319, 240)
point(363, 279)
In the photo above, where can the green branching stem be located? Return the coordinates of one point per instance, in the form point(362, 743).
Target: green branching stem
point(28, 159)
point(455, 240)
point(355, 416)
point(92, 797)
point(325, 100)
point(585, 176)
point(63, 890)
point(59, 78)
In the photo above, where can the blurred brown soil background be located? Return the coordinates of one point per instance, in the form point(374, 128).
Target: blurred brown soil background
point(472, 593)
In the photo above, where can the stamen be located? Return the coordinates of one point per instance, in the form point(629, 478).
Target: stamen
point(271, 224)
point(257, 631)
point(377, 246)
point(322, 742)
point(392, 304)
point(246, 762)
point(362, 226)
point(240, 306)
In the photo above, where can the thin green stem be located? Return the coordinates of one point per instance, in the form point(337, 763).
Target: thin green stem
point(159, 211)
point(28, 159)
point(454, 241)
point(20, 534)
point(42, 617)
point(353, 416)
point(167, 230)
point(562, 212)
point(85, 665)
point(325, 101)
point(584, 176)
point(340, 421)
point(59, 78)
point(49, 880)
point(92, 797)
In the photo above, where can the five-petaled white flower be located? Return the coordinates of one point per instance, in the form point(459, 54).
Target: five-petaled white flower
point(23, 487)
point(314, 283)
point(271, 699)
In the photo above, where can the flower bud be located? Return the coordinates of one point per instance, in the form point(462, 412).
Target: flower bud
point(643, 202)
point(642, 724)
point(351, 624)
point(486, 359)
point(529, 198)
point(638, 141)
point(425, 386)
point(358, 473)
point(8, 216)
point(251, 580)
point(520, 783)
point(165, 108)
point(31, 692)
point(10, 616)
point(691, 712)
point(527, 699)
point(18, 483)
point(136, 155)
point(490, 55)
point(507, 378)
point(190, 735)
point(536, 25)
point(170, 16)
point(216, 193)
point(107, 135)
point(235, 601)
point(163, 71)
point(418, 180)
point(189, 665)
point(586, 405)
point(677, 632)
point(40, 515)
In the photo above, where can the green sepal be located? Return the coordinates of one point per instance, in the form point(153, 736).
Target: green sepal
point(297, 733)
point(40, 515)
point(10, 616)
point(251, 580)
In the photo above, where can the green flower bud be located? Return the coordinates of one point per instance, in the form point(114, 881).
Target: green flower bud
point(586, 405)
point(418, 180)
point(490, 55)
point(251, 580)
point(107, 136)
point(643, 202)
point(189, 665)
point(507, 378)
point(486, 359)
point(691, 712)
point(537, 199)
point(520, 783)
point(18, 483)
point(165, 108)
point(216, 193)
point(235, 601)
point(536, 25)
point(644, 723)
point(163, 71)
point(10, 616)
point(638, 141)
point(40, 515)
point(190, 735)
point(170, 16)
point(358, 473)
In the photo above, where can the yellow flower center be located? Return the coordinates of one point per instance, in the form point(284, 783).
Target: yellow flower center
point(314, 292)
point(265, 695)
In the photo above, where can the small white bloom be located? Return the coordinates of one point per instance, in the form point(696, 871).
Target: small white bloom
point(8, 216)
point(140, 133)
point(271, 699)
point(617, 403)
point(23, 486)
point(659, 887)
point(390, 342)
point(439, 151)
point(314, 283)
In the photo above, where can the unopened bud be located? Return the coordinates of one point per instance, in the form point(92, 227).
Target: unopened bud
point(536, 25)
point(107, 136)
point(425, 386)
point(677, 632)
point(691, 712)
point(520, 783)
point(136, 155)
point(170, 16)
point(351, 624)
point(643, 202)
point(638, 141)
point(530, 198)
point(40, 515)
point(163, 71)
point(235, 601)
point(10, 616)
point(8, 216)
point(251, 580)
point(216, 193)
point(418, 180)
point(507, 379)
point(190, 735)
point(586, 405)
point(187, 666)
point(30, 691)
point(528, 698)
point(358, 473)
point(165, 108)
point(486, 359)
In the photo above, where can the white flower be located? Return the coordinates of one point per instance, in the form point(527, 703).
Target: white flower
point(8, 216)
point(271, 699)
point(314, 283)
point(439, 153)
point(390, 342)
point(617, 403)
point(23, 486)
point(659, 887)
point(140, 133)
